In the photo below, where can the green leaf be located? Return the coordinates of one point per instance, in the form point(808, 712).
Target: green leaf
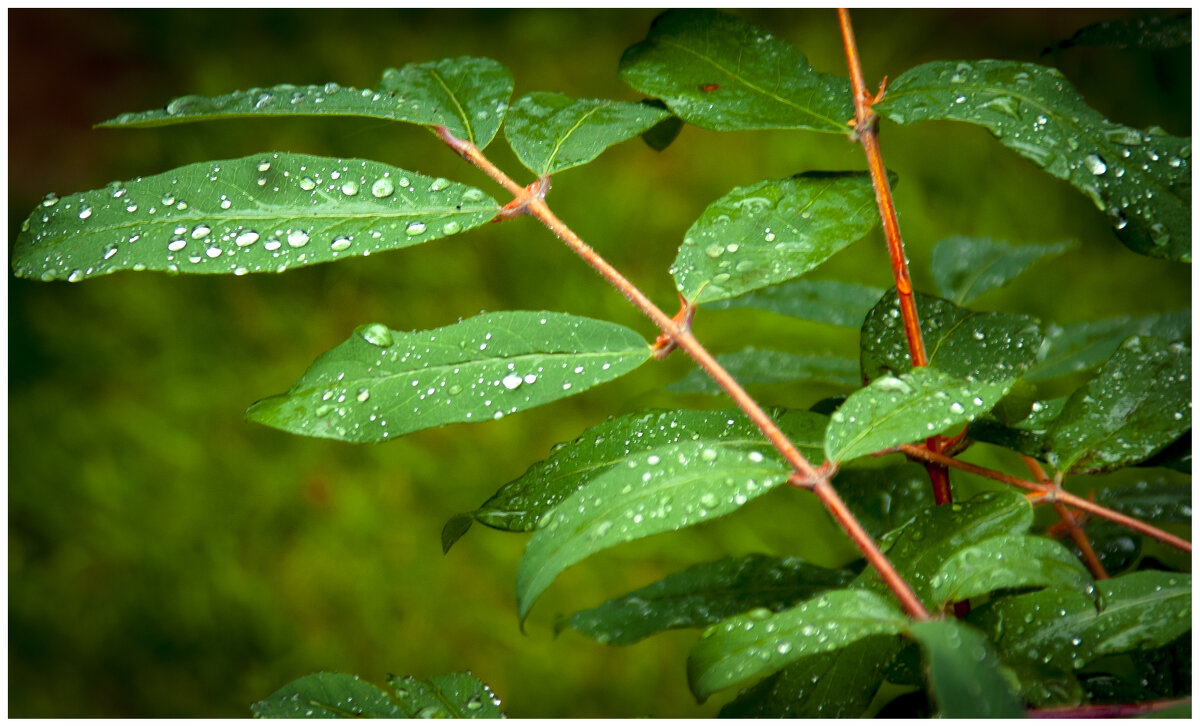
point(624, 442)
point(1006, 561)
point(1067, 630)
point(662, 134)
point(381, 383)
point(884, 498)
point(964, 674)
point(823, 301)
point(466, 95)
point(990, 347)
point(262, 213)
point(1140, 179)
point(829, 685)
point(332, 695)
point(758, 643)
point(1083, 346)
point(705, 594)
point(1028, 436)
point(965, 268)
point(1143, 33)
point(772, 231)
point(1138, 403)
point(917, 405)
point(772, 367)
point(720, 72)
point(551, 132)
point(1153, 502)
point(669, 488)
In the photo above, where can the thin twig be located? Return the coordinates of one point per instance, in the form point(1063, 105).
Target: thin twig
point(1100, 711)
point(1073, 527)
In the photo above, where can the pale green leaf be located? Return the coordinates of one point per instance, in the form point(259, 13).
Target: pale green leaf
point(965, 676)
point(1083, 346)
point(551, 132)
point(965, 268)
point(339, 696)
point(772, 231)
point(381, 383)
point(772, 367)
point(720, 72)
point(823, 301)
point(262, 213)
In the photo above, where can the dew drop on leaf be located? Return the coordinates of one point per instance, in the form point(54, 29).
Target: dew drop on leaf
point(376, 334)
point(383, 187)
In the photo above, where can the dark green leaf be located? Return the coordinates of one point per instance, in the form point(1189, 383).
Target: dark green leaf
point(381, 383)
point(262, 213)
point(760, 642)
point(772, 231)
point(1177, 455)
point(1140, 179)
point(1028, 436)
point(1144, 33)
point(884, 498)
point(1082, 346)
point(990, 347)
point(823, 301)
point(720, 72)
point(660, 136)
point(965, 268)
point(1118, 547)
point(705, 594)
point(1015, 560)
point(917, 405)
point(1138, 403)
point(452, 696)
point(1154, 502)
point(771, 367)
point(466, 95)
point(332, 695)
point(551, 132)
point(829, 685)
point(964, 674)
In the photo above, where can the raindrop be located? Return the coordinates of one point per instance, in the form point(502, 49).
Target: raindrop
point(376, 334)
point(341, 243)
point(75, 276)
point(1095, 164)
point(363, 394)
point(511, 381)
point(350, 188)
point(249, 237)
point(439, 184)
point(415, 228)
point(52, 199)
point(383, 187)
point(109, 251)
point(200, 231)
point(85, 212)
point(299, 238)
point(213, 252)
point(176, 245)
point(451, 228)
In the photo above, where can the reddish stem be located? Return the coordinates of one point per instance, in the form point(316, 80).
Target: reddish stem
point(1073, 527)
point(1100, 711)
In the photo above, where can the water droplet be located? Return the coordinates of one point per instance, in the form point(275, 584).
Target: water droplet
point(307, 184)
point(1095, 164)
point(341, 243)
point(176, 244)
point(213, 252)
point(85, 212)
point(272, 244)
point(383, 187)
point(363, 394)
point(511, 381)
point(376, 334)
point(708, 454)
point(299, 238)
point(439, 184)
point(249, 237)
point(50, 200)
point(200, 231)
point(75, 276)
point(415, 228)
point(451, 228)
point(109, 251)
point(225, 203)
point(714, 250)
point(957, 408)
point(350, 188)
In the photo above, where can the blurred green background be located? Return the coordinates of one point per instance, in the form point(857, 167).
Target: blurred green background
point(168, 559)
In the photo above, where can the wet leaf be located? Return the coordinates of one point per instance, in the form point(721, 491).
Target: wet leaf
point(1151, 501)
point(720, 72)
point(772, 231)
point(262, 213)
point(331, 695)
point(1083, 346)
point(662, 134)
point(452, 696)
point(759, 643)
point(466, 95)
point(1140, 179)
point(990, 347)
point(1153, 33)
point(884, 498)
point(382, 383)
point(1015, 560)
point(823, 301)
point(1028, 436)
point(705, 594)
point(917, 405)
point(772, 367)
point(1138, 403)
point(551, 132)
point(965, 676)
point(965, 268)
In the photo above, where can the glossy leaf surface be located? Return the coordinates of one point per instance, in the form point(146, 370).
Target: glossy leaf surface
point(772, 231)
point(823, 301)
point(1140, 179)
point(759, 643)
point(964, 343)
point(897, 410)
point(884, 498)
point(1014, 560)
point(705, 594)
point(1138, 403)
point(1029, 435)
point(262, 213)
point(720, 72)
point(965, 268)
point(451, 696)
point(772, 367)
point(1150, 501)
point(1083, 346)
point(331, 695)
point(551, 132)
point(964, 674)
point(382, 383)
point(466, 95)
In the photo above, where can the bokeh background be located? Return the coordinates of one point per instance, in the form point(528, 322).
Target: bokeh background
point(168, 559)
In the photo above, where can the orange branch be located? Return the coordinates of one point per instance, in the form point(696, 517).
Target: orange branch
point(1073, 528)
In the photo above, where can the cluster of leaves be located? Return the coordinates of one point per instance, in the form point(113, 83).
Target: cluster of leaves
point(819, 641)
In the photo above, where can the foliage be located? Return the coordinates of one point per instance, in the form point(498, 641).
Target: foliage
point(1039, 617)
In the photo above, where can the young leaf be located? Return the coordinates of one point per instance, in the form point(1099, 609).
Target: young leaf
point(823, 301)
point(381, 383)
point(760, 642)
point(705, 594)
point(332, 695)
point(261, 213)
point(1140, 179)
point(1006, 561)
point(772, 367)
point(624, 442)
point(965, 676)
point(551, 132)
point(884, 498)
point(671, 487)
point(1066, 630)
point(466, 95)
point(720, 72)
point(1083, 346)
point(1138, 403)
point(917, 405)
point(772, 231)
point(965, 268)
point(990, 347)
